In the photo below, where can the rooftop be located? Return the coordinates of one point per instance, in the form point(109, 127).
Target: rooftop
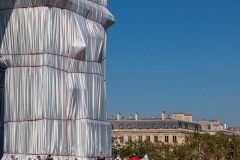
point(154, 122)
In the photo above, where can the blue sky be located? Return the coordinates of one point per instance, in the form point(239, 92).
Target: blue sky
point(175, 56)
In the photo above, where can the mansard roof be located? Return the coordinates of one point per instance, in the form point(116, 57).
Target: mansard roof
point(153, 123)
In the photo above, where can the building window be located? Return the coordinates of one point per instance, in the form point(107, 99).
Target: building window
point(209, 127)
point(121, 140)
point(166, 139)
point(140, 126)
point(174, 126)
point(155, 126)
point(183, 125)
point(148, 126)
point(147, 138)
point(121, 126)
point(140, 138)
point(174, 139)
point(129, 138)
point(129, 127)
point(155, 138)
point(166, 126)
point(199, 128)
point(193, 127)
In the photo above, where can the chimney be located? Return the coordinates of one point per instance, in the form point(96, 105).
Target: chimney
point(118, 116)
point(163, 115)
point(136, 116)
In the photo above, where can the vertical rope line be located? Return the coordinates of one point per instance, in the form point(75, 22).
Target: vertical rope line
point(67, 68)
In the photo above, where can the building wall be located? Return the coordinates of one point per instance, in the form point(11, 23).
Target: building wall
point(188, 118)
point(236, 132)
point(178, 116)
point(161, 134)
point(182, 116)
point(210, 126)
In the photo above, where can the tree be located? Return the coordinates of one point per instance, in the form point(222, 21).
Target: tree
point(196, 146)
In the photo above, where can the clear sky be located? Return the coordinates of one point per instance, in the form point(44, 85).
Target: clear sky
point(175, 56)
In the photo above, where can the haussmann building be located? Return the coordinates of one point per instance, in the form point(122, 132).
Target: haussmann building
point(168, 129)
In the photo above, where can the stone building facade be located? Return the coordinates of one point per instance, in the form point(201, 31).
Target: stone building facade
point(213, 126)
point(235, 131)
point(163, 128)
point(182, 116)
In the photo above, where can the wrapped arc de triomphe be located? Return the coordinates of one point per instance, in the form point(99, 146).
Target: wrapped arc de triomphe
point(52, 79)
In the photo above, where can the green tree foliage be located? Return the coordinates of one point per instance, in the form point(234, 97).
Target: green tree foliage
point(197, 146)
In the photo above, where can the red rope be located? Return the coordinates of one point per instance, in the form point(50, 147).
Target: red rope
point(39, 53)
point(37, 66)
point(97, 3)
point(57, 119)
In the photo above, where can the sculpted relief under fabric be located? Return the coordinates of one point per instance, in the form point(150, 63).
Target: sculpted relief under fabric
point(52, 79)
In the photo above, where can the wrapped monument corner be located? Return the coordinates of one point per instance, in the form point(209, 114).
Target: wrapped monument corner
point(52, 79)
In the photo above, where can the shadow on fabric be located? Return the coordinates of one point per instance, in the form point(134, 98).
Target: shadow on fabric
point(3, 25)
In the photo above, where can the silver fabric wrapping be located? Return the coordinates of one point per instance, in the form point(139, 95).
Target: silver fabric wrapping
point(2, 78)
point(52, 79)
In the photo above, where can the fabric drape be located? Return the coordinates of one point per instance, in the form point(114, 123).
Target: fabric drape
point(52, 79)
